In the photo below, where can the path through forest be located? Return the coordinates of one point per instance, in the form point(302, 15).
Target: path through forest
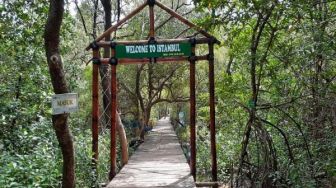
point(159, 162)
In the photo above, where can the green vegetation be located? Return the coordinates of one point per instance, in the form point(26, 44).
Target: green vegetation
point(275, 74)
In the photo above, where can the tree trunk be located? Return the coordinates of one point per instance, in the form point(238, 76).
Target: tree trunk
point(106, 83)
point(141, 105)
point(255, 40)
point(142, 127)
point(317, 119)
point(123, 140)
point(104, 69)
point(60, 125)
point(145, 120)
point(64, 138)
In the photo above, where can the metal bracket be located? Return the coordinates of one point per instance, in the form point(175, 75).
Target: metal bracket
point(152, 60)
point(152, 40)
point(210, 57)
point(113, 61)
point(192, 41)
point(94, 46)
point(151, 2)
point(113, 44)
point(96, 61)
point(213, 40)
point(192, 59)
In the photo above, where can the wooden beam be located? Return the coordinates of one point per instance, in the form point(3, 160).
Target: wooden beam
point(202, 40)
point(127, 61)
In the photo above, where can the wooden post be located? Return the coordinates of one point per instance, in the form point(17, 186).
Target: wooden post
point(151, 20)
point(212, 113)
point(192, 116)
point(95, 109)
point(113, 148)
point(95, 112)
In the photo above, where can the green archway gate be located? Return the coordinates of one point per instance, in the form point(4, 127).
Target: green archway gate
point(153, 51)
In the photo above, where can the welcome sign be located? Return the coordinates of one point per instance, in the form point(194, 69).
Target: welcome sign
point(154, 50)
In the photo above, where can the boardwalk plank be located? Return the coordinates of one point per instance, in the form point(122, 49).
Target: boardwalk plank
point(159, 162)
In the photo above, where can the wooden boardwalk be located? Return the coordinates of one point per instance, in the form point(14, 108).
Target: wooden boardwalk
point(159, 162)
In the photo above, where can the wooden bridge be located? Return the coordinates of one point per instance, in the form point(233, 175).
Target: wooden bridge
point(159, 162)
point(167, 165)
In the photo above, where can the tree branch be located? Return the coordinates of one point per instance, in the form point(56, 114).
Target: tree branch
point(81, 16)
point(290, 153)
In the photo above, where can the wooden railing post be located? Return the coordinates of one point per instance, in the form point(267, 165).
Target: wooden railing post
point(95, 109)
point(212, 112)
point(151, 19)
point(192, 112)
point(113, 148)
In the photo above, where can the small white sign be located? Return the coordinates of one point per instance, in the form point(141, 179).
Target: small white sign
point(64, 103)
